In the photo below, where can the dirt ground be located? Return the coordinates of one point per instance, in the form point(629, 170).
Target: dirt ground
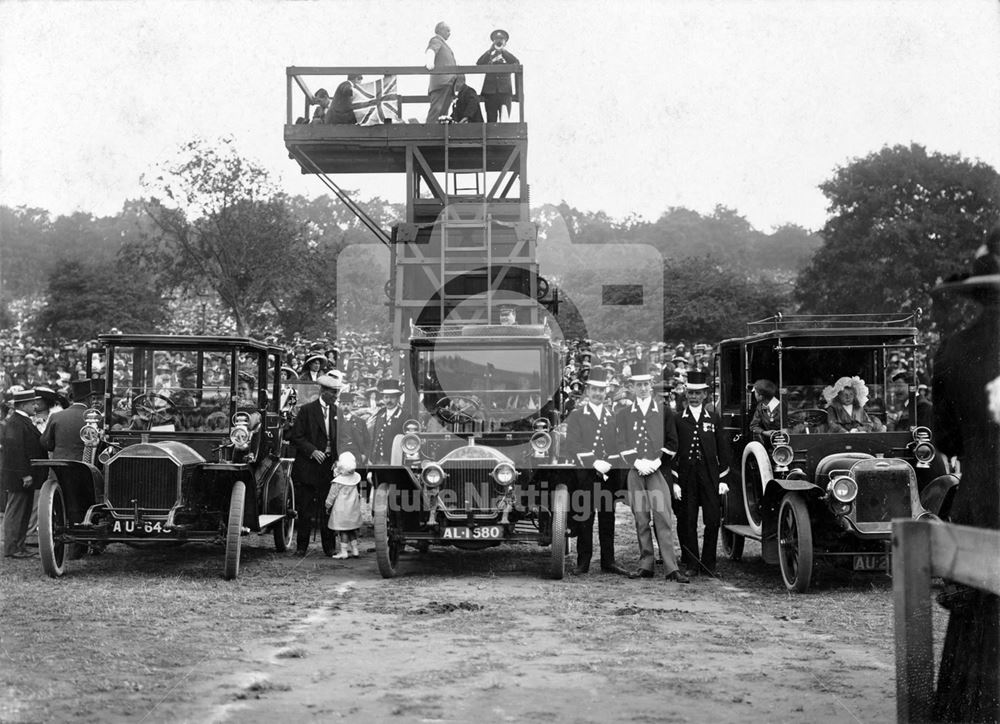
point(459, 636)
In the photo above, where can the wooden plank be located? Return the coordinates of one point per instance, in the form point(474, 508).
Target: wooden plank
point(911, 581)
point(966, 555)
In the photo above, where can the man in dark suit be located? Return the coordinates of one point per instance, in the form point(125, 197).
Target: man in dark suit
point(318, 440)
point(647, 438)
point(591, 442)
point(385, 424)
point(62, 434)
point(701, 467)
point(497, 88)
point(21, 444)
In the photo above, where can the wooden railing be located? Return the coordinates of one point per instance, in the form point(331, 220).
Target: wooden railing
point(922, 549)
point(296, 78)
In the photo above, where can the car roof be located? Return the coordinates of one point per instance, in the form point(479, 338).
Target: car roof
point(883, 326)
point(182, 341)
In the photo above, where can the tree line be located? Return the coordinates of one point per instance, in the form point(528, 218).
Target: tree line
point(212, 231)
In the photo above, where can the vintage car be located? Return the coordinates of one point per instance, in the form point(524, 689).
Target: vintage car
point(186, 448)
point(478, 465)
point(807, 493)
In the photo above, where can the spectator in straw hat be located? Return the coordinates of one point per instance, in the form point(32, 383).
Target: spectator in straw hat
point(21, 444)
point(648, 443)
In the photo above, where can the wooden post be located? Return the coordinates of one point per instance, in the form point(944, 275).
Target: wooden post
point(911, 581)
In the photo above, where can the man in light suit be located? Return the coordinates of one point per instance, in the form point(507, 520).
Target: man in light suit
point(440, 88)
point(592, 443)
point(318, 440)
point(701, 467)
point(648, 442)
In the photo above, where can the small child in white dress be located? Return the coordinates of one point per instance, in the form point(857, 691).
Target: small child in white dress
point(343, 503)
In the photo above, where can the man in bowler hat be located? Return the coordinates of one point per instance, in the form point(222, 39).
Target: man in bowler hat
point(700, 469)
point(592, 443)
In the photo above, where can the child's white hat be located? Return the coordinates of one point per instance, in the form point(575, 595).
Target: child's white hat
point(347, 463)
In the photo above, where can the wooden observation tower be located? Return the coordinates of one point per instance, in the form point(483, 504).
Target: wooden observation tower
point(466, 245)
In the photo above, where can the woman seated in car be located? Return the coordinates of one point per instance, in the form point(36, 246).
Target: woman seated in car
point(845, 410)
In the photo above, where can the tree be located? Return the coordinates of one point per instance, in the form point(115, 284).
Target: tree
point(224, 227)
point(87, 297)
point(900, 219)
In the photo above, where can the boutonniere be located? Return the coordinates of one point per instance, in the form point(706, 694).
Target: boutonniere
point(708, 427)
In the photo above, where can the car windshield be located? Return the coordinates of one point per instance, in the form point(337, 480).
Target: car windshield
point(507, 382)
point(808, 369)
point(180, 390)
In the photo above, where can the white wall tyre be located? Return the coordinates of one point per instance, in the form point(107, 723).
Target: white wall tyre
point(757, 472)
point(234, 530)
point(51, 526)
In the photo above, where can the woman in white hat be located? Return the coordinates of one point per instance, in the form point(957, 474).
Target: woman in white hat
point(845, 410)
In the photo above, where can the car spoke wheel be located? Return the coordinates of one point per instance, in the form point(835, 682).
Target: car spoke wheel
point(284, 531)
point(389, 539)
point(560, 514)
point(795, 545)
point(732, 544)
point(51, 528)
point(234, 531)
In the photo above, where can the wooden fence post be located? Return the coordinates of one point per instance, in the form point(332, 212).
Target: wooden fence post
point(911, 581)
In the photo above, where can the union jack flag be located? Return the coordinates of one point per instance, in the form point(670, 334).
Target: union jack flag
point(376, 102)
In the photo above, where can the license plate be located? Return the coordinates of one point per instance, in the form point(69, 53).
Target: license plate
point(874, 562)
point(483, 532)
point(144, 527)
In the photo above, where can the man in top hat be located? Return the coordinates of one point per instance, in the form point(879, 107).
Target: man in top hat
point(966, 385)
point(385, 424)
point(592, 443)
point(21, 445)
point(700, 469)
point(318, 440)
point(62, 435)
point(497, 90)
point(647, 438)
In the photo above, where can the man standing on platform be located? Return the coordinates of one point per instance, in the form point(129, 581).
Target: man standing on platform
point(648, 442)
point(441, 87)
point(318, 442)
point(702, 465)
point(591, 441)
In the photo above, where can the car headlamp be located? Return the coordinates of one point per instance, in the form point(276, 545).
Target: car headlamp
point(432, 475)
point(921, 434)
point(843, 488)
point(541, 442)
point(90, 435)
point(504, 474)
point(411, 425)
point(924, 452)
point(782, 456)
point(411, 444)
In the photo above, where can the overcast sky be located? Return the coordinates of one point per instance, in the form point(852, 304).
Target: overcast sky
point(631, 107)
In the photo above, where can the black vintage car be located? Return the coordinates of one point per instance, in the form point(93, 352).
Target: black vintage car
point(807, 493)
point(187, 448)
point(478, 465)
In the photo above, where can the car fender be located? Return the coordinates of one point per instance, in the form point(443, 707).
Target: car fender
point(937, 495)
point(82, 484)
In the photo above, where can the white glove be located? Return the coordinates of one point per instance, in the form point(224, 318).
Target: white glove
point(723, 488)
point(602, 466)
point(677, 491)
point(642, 467)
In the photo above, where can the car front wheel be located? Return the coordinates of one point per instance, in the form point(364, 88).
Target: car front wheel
point(51, 527)
point(234, 530)
point(560, 512)
point(795, 544)
point(388, 535)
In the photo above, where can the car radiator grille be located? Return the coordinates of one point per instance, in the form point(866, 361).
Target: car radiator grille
point(468, 480)
point(883, 495)
point(151, 482)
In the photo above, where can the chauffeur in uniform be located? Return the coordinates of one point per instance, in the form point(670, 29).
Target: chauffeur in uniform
point(647, 438)
point(318, 440)
point(702, 464)
point(385, 424)
point(591, 441)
